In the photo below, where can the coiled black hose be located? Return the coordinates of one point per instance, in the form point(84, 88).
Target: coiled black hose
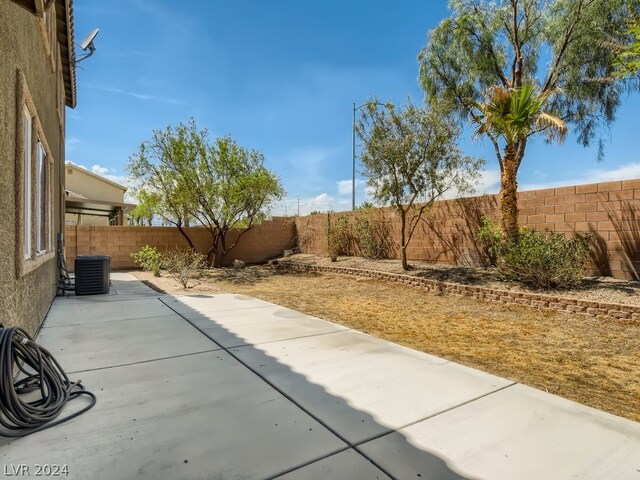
point(40, 371)
point(64, 280)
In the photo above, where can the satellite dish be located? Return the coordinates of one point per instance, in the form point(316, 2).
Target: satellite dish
point(87, 44)
point(88, 40)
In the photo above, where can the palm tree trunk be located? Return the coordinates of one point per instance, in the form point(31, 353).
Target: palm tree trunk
point(509, 194)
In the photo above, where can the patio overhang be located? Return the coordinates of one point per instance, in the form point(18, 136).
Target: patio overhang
point(99, 208)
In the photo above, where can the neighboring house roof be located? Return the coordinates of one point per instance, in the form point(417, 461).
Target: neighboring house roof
point(95, 175)
point(65, 30)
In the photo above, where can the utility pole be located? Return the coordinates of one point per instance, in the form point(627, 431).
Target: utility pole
point(353, 150)
point(353, 159)
point(298, 205)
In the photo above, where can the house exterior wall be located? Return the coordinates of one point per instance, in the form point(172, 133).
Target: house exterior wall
point(87, 185)
point(30, 71)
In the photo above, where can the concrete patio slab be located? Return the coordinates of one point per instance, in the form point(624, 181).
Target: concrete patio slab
point(106, 344)
point(214, 303)
point(519, 432)
point(302, 399)
point(66, 312)
point(388, 385)
point(232, 328)
point(348, 464)
point(202, 416)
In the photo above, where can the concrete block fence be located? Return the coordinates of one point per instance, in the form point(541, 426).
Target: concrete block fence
point(264, 241)
point(605, 212)
point(601, 310)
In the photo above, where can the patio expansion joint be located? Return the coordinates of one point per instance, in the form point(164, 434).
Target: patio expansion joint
point(311, 335)
point(107, 321)
point(355, 445)
point(349, 444)
point(285, 395)
point(428, 417)
point(144, 361)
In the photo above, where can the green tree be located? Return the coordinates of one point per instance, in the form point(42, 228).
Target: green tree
point(556, 46)
point(143, 213)
point(220, 186)
point(627, 60)
point(410, 156)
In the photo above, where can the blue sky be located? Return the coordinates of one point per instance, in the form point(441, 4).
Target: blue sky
point(281, 77)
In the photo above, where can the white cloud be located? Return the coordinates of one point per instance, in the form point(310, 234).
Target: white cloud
point(345, 186)
point(98, 170)
point(141, 96)
point(322, 201)
point(489, 182)
point(595, 175)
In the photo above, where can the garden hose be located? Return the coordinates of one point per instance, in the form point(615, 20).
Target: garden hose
point(39, 371)
point(64, 280)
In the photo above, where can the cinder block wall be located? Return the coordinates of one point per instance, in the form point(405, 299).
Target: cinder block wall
point(264, 241)
point(608, 212)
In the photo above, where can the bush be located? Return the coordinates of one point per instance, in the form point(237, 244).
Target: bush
point(149, 259)
point(544, 259)
point(489, 239)
point(372, 234)
point(181, 263)
point(338, 236)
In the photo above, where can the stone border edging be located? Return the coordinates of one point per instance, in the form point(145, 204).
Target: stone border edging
point(606, 311)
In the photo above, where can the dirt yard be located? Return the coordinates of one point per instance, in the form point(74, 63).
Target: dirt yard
point(593, 362)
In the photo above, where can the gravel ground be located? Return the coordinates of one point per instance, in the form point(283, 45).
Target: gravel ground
point(599, 289)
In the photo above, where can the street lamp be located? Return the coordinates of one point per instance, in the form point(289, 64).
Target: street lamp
point(353, 152)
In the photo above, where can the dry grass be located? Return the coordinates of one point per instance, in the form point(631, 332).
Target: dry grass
point(596, 363)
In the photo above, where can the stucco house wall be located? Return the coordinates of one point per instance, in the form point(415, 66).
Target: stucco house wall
point(31, 75)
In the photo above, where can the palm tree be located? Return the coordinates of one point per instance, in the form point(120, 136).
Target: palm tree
point(514, 114)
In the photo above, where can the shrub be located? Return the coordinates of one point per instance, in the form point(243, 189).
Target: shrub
point(338, 236)
point(181, 263)
point(305, 235)
point(372, 234)
point(544, 259)
point(149, 259)
point(489, 238)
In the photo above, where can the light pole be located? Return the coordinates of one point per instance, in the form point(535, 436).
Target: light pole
point(353, 152)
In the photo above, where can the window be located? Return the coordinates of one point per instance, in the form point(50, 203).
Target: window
point(26, 199)
point(42, 203)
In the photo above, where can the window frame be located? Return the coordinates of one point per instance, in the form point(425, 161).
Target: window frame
point(27, 257)
point(27, 161)
point(42, 198)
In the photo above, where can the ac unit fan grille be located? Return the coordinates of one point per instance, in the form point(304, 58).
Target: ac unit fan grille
point(92, 275)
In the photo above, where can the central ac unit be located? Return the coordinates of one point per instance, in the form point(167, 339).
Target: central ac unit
point(92, 274)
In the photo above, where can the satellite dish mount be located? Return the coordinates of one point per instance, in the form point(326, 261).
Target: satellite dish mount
point(87, 44)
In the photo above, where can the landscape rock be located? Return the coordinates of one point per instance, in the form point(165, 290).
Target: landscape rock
point(238, 264)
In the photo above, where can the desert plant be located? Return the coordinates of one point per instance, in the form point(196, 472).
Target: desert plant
point(182, 263)
point(544, 259)
point(305, 235)
point(372, 234)
point(489, 237)
point(338, 236)
point(411, 159)
point(149, 259)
